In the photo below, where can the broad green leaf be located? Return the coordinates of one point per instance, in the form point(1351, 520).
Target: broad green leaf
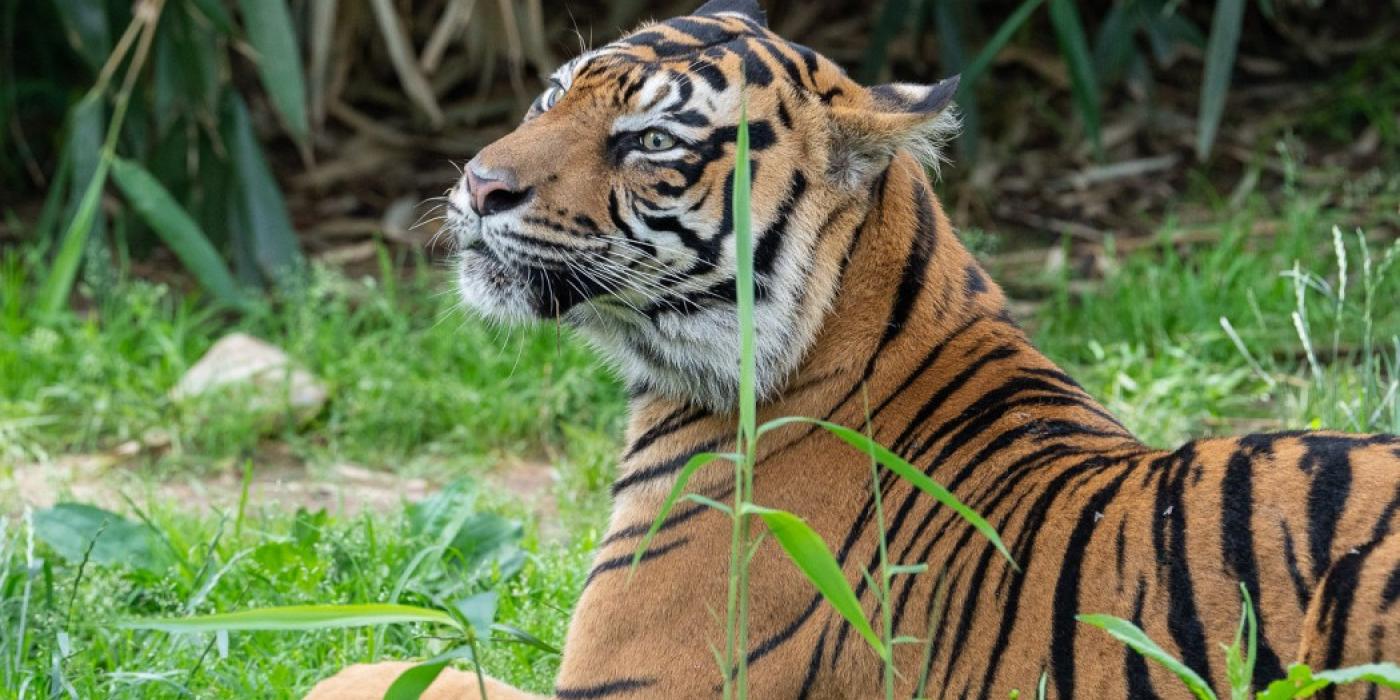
point(1083, 83)
point(1220, 63)
point(87, 28)
point(175, 227)
point(75, 530)
point(268, 24)
point(682, 479)
point(1129, 634)
point(904, 470)
point(480, 612)
point(807, 550)
point(297, 617)
point(411, 684)
point(266, 228)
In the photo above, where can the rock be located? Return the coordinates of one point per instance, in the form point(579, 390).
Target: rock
point(256, 372)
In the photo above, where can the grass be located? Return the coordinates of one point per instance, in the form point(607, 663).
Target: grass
point(419, 390)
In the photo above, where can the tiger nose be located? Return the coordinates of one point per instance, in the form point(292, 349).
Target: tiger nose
point(494, 191)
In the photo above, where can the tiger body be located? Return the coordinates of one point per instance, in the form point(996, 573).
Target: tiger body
point(871, 313)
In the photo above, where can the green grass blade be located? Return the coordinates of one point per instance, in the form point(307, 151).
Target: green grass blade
point(906, 471)
point(271, 32)
point(1083, 83)
point(515, 634)
point(296, 618)
point(174, 225)
point(1220, 62)
point(1129, 634)
point(743, 251)
point(807, 550)
point(691, 466)
point(86, 119)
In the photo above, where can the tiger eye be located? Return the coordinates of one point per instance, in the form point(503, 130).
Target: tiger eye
point(656, 140)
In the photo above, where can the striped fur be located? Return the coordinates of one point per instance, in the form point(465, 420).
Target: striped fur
point(869, 305)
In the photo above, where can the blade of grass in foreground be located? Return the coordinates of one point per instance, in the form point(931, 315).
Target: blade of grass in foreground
point(808, 551)
point(906, 471)
point(677, 489)
point(1129, 634)
point(297, 617)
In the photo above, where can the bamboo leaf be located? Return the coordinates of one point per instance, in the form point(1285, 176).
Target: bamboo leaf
point(1220, 63)
point(1129, 634)
point(893, 16)
point(808, 551)
point(296, 618)
point(266, 232)
point(271, 32)
point(1083, 83)
point(411, 684)
point(691, 465)
point(904, 470)
point(173, 224)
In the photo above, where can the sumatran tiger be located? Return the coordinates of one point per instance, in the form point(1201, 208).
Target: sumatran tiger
point(609, 209)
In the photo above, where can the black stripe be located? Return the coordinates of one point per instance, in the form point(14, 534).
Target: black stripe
point(626, 560)
point(1134, 664)
point(1391, 591)
point(657, 471)
point(1183, 619)
point(770, 242)
point(1066, 605)
point(814, 666)
point(911, 281)
point(1237, 549)
point(1329, 461)
point(603, 690)
point(668, 425)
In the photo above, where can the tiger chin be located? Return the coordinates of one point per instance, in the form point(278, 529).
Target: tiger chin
point(609, 209)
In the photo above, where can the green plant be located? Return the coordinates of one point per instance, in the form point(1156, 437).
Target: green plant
point(1301, 681)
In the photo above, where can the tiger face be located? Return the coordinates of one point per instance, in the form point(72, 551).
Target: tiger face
point(610, 207)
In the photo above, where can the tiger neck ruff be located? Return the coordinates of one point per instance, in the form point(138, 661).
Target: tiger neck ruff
point(609, 209)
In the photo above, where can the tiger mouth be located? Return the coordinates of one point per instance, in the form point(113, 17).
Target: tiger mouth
point(551, 291)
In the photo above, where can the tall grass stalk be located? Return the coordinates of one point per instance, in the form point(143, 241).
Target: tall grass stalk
point(736, 676)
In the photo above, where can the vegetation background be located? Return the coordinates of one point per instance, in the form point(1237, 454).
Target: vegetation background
point(1194, 205)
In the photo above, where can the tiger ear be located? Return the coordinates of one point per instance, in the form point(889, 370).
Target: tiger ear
point(896, 117)
point(746, 8)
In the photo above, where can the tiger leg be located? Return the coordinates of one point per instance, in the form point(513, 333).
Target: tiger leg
point(1354, 615)
point(370, 681)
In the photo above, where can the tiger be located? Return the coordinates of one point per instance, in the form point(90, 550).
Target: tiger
point(610, 210)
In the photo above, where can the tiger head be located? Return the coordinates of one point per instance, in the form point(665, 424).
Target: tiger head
point(610, 207)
